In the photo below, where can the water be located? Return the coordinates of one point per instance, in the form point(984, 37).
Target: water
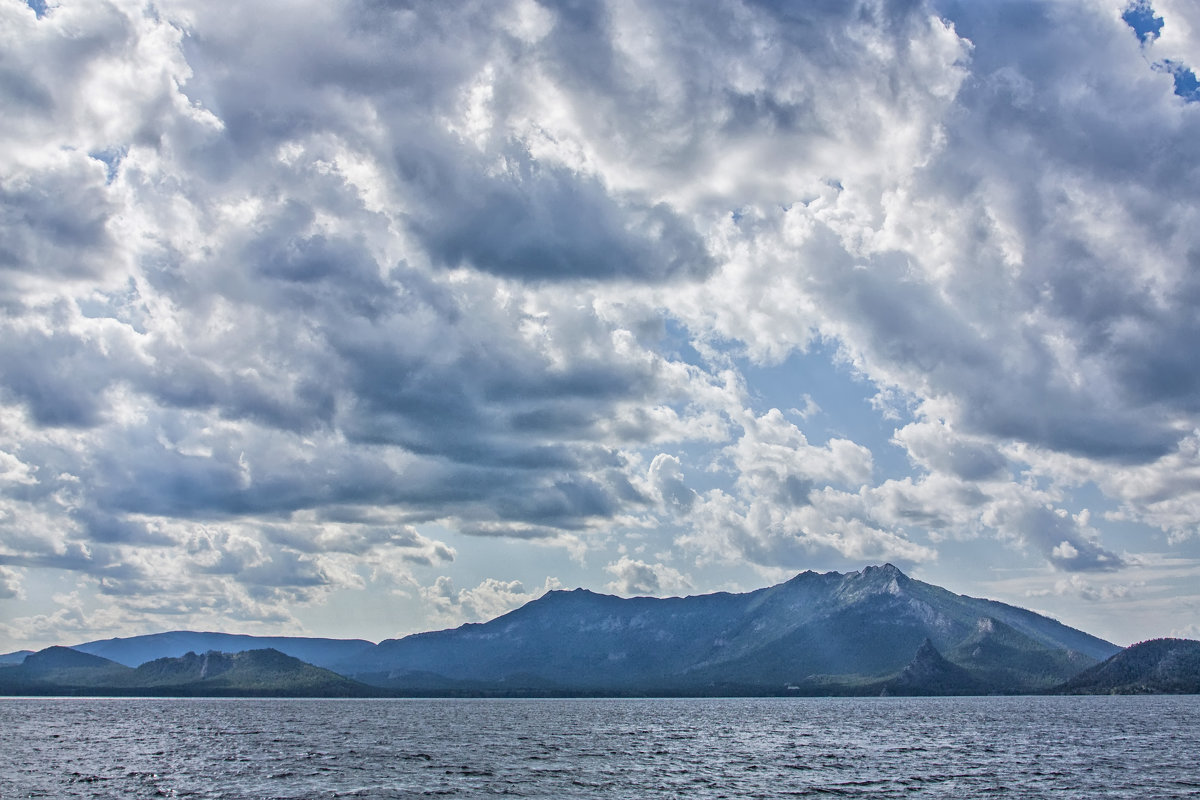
point(1009, 747)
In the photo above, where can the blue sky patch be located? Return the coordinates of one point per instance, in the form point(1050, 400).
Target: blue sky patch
point(1140, 16)
point(111, 158)
point(1186, 85)
point(1148, 26)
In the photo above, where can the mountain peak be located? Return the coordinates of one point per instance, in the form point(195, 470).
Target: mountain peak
point(927, 653)
point(59, 657)
point(578, 593)
point(872, 581)
point(930, 673)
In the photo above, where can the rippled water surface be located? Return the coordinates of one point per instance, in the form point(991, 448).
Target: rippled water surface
point(1020, 747)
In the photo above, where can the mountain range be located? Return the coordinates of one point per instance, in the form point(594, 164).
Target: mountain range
point(136, 650)
point(257, 673)
point(876, 631)
point(825, 633)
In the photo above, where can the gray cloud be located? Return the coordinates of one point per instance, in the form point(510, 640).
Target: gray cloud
point(549, 223)
point(54, 221)
point(59, 377)
point(281, 286)
point(10, 584)
point(636, 577)
point(1064, 539)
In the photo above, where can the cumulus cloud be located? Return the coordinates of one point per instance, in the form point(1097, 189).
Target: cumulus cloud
point(285, 288)
point(936, 448)
point(1067, 540)
point(666, 476)
point(489, 599)
point(790, 501)
point(636, 577)
point(1077, 586)
point(1164, 493)
point(10, 584)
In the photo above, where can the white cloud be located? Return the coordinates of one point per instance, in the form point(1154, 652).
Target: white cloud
point(1076, 585)
point(935, 447)
point(284, 288)
point(489, 599)
point(636, 577)
point(1179, 39)
point(666, 478)
point(10, 584)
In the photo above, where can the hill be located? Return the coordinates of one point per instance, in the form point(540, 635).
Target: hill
point(1158, 666)
point(15, 657)
point(253, 673)
point(929, 673)
point(258, 673)
point(826, 633)
point(59, 670)
point(133, 651)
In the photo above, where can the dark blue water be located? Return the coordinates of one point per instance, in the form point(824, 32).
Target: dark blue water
point(1022, 747)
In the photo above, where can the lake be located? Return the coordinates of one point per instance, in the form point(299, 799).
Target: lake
point(1017, 747)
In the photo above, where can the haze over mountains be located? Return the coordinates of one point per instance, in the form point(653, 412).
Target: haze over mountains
point(876, 631)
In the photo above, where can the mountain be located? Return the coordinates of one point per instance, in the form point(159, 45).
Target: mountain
point(252, 673)
point(59, 670)
point(15, 657)
point(1158, 666)
point(929, 673)
point(136, 650)
point(828, 633)
point(876, 631)
point(256, 673)
point(999, 655)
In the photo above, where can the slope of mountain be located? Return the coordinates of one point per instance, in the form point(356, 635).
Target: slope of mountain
point(253, 673)
point(15, 657)
point(817, 633)
point(929, 673)
point(1158, 666)
point(264, 672)
point(1004, 658)
point(136, 650)
point(59, 670)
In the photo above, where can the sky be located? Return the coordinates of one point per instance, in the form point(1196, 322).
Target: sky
point(358, 318)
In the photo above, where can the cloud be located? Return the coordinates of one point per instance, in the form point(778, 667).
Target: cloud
point(489, 599)
point(666, 476)
point(350, 259)
point(541, 222)
point(636, 577)
point(72, 619)
point(1077, 586)
point(1067, 540)
point(10, 584)
point(1164, 493)
point(57, 216)
point(286, 289)
point(14, 471)
point(936, 448)
point(1018, 267)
